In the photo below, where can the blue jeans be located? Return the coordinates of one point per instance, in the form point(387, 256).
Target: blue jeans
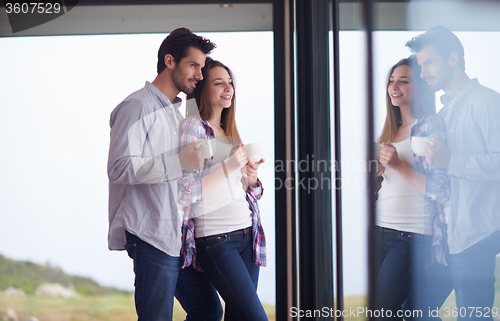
point(401, 256)
point(198, 296)
point(155, 279)
point(472, 272)
point(431, 289)
point(227, 260)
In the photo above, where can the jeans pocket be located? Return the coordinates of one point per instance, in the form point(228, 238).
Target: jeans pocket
point(412, 238)
point(131, 250)
point(213, 241)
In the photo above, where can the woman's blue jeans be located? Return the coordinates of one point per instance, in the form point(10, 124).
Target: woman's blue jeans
point(227, 260)
point(402, 256)
point(198, 296)
point(155, 279)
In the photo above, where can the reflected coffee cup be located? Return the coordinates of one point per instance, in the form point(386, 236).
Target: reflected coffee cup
point(418, 145)
point(255, 152)
point(376, 149)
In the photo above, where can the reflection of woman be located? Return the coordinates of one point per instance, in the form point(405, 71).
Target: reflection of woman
point(223, 233)
point(410, 219)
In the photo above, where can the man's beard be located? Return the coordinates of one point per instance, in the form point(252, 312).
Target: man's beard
point(179, 81)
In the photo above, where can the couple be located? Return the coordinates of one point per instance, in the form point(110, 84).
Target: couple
point(438, 222)
point(157, 190)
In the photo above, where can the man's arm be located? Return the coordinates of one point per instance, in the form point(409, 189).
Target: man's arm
point(482, 167)
point(138, 154)
point(478, 167)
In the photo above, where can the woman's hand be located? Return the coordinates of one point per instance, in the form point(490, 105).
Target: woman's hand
point(237, 160)
point(380, 168)
point(389, 156)
point(250, 172)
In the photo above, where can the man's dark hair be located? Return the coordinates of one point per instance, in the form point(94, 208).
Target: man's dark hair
point(178, 43)
point(443, 40)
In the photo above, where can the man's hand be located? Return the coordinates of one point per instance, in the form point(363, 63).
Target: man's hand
point(438, 155)
point(191, 158)
point(250, 172)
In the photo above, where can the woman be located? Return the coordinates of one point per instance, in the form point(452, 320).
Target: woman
point(223, 234)
point(410, 219)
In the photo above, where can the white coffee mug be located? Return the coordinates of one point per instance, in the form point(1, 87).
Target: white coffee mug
point(210, 146)
point(254, 151)
point(418, 144)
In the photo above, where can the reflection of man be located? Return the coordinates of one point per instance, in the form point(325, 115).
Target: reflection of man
point(142, 164)
point(472, 116)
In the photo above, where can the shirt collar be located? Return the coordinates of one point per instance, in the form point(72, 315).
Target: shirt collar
point(177, 101)
point(208, 127)
point(473, 83)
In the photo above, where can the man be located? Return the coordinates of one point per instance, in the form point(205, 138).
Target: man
point(471, 113)
point(143, 168)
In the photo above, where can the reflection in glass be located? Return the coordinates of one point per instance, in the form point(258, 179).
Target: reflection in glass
point(467, 100)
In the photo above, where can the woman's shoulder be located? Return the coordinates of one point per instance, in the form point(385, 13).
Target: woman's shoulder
point(192, 123)
point(194, 127)
point(429, 125)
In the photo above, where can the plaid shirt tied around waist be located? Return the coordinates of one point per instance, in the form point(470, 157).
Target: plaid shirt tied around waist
point(437, 185)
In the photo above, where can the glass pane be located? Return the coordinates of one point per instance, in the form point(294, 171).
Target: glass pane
point(408, 210)
point(353, 167)
point(56, 95)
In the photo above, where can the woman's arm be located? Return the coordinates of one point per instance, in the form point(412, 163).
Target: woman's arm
point(250, 173)
point(251, 182)
point(389, 158)
point(235, 162)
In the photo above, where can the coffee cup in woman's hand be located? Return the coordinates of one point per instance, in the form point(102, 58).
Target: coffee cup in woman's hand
point(254, 152)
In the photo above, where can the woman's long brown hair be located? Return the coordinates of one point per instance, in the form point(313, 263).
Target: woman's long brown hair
point(423, 102)
point(204, 110)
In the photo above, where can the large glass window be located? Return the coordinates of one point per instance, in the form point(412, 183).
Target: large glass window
point(351, 168)
point(394, 24)
point(56, 95)
point(474, 25)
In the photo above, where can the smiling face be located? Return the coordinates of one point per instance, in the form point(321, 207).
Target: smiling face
point(435, 70)
point(400, 87)
point(187, 72)
point(220, 89)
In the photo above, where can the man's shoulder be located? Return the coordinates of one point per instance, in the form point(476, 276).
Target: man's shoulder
point(143, 96)
point(485, 94)
point(487, 104)
point(484, 103)
point(135, 106)
point(142, 99)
